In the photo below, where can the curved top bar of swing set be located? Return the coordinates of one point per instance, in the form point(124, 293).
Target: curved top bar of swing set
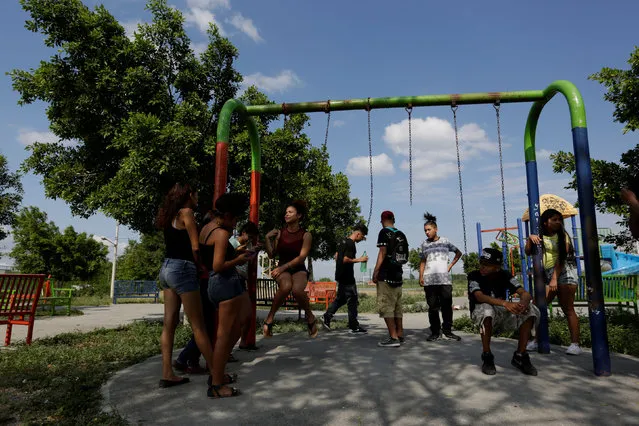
point(224, 129)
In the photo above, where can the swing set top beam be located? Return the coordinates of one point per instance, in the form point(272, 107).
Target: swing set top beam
point(399, 102)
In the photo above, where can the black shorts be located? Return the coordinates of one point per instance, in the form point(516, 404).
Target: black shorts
point(297, 268)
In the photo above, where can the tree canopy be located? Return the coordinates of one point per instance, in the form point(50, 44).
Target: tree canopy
point(10, 196)
point(134, 116)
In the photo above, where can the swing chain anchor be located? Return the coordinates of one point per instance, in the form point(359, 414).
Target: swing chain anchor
point(327, 110)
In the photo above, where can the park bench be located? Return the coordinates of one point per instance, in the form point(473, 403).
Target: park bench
point(53, 296)
point(19, 296)
point(265, 292)
point(321, 292)
point(131, 289)
point(617, 289)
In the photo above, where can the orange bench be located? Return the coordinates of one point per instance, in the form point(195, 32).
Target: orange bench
point(321, 292)
point(19, 295)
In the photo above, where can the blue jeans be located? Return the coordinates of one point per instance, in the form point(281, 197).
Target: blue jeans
point(179, 275)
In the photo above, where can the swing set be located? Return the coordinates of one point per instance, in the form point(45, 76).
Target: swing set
point(600, 349)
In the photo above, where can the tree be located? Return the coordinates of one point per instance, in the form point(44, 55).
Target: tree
point(138, 115)
point(608, 177)
point(471, 262)
point(40, 248)
point(414, 259)
point(142, 260)
point(10, 196)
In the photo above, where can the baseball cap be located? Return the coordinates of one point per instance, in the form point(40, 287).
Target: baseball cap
point(491, 256)
point(388, 215)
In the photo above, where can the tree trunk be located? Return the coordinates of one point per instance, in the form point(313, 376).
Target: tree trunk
point(310, 268)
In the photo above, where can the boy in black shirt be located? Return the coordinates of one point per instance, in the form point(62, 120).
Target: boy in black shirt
point(345, 277)
point(388, 278)
point(490, 310)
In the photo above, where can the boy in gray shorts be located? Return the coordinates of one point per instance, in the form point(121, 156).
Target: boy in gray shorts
point(490, 310)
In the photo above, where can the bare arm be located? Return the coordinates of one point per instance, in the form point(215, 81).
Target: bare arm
point(458, 254)
point(271, 247)
point(191, 228)
point(378, 264)
point(220, 240)
point(422, 268)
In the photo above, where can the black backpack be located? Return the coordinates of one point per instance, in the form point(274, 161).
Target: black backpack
point(397, 251)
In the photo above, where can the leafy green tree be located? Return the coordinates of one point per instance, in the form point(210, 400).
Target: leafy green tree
point(41, 248)
point(608, 177)
point(414, 259)
point(10, 196)
point(139, 115)
point(471, 262)
point(141, 260)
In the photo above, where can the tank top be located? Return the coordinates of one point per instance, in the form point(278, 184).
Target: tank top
point(290, 244)
point(177, 243)
point(208, 251)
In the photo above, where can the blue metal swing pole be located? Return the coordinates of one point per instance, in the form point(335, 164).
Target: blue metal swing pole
point(522, 255)
point(479, 242)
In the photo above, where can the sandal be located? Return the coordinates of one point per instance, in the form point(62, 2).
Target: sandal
point(228, 379)
point(214, 392)
point(312, 328)
point(170, 383)
point(269, 329)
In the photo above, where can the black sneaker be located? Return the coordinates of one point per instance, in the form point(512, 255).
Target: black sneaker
point(451, 336)
point(401, 340)
point(326, 322)
point(433, 337)
point(489, 363)
point(358, 330)
point(389, 342)
point(522, 362)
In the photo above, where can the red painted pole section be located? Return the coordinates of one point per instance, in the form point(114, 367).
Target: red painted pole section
point(254, 213)
point(221, 168)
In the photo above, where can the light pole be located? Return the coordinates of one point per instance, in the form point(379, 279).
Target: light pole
point(115, 256)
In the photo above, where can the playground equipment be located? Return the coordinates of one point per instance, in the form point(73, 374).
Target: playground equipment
point(600, 350)
point(509, 243)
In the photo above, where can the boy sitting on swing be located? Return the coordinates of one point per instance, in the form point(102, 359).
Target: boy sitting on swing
point(491, 311)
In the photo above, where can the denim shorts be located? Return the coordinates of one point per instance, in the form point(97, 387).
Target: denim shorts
point(225, 286)
point(568, 275)
point(179, 275)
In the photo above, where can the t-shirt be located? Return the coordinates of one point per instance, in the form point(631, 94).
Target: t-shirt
point(551, 250)
point(345, 272)
point(388, 272)
point(241, 269)
point(493, 285)
point(435, 253)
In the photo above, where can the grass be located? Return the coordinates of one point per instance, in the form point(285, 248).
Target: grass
point(623, 331)
point(91, 300)
point(62, 311)
point(57, 380)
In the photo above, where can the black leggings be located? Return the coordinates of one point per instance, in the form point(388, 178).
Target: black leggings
point(440, 297)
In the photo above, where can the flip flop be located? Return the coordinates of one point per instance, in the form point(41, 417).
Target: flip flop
point(214, 392)
point(170, 383)
point(312, 329)
point(269, 328)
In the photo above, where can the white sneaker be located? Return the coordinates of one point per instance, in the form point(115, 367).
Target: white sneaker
point(574, 349)
point(531, 346)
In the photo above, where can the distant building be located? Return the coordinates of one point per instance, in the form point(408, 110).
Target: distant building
point(6, 269)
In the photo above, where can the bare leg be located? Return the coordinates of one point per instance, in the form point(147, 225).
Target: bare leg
point(171, 318)
point(227, 330)
point(193, 309)
point(399, 327)
point(300, 280)
point(285, 283)
point(392, 327)
point(524, 331)
point(567, 302)
point(488, 332)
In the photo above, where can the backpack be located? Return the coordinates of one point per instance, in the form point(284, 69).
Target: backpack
point(397, 251)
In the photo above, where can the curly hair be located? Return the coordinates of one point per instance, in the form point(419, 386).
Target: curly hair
point(430, 219)
point(300, 206)
point(233, 203)
point(175, 199)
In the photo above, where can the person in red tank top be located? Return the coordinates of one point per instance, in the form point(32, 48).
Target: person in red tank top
point(292, 244)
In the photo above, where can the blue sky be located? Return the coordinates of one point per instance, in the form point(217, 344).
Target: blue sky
point(304, 51)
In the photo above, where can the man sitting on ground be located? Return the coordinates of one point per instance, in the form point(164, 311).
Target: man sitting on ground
point(490, 310)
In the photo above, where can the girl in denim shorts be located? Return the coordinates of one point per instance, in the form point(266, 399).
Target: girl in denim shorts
point(559, 271)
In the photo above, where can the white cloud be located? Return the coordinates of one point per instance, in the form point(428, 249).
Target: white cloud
point(544, 154)
point(360, 166)
point(339, 123)
point(434, 152)
point(285, 80)
point(209, 4)
point(199, 48)
point(29, 137)
point(246, 26)
point(130, 27)
point(202, 18)
point(507, 166)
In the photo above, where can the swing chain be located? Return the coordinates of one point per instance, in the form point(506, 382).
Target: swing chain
point(327, 110)
point(370, 159)
point(409, 110)
point(461, 188)
point(501, 163)
point(285, 112)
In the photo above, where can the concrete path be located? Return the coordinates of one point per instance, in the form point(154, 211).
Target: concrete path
point(344, 379)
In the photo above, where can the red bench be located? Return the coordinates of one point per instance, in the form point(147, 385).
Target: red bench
point(321, 292)
point(19, 295)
